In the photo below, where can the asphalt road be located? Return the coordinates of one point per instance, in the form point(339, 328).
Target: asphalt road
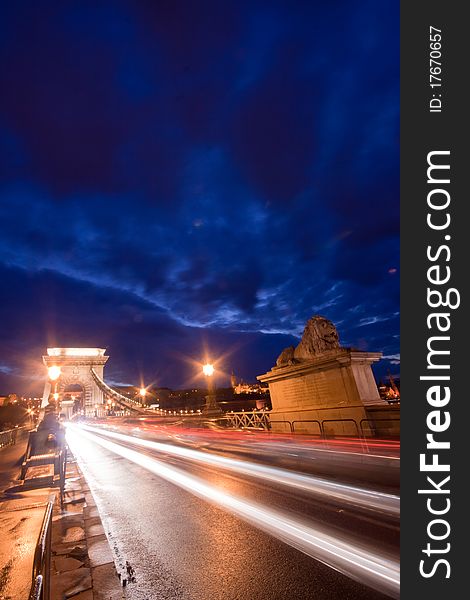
point(184, 543)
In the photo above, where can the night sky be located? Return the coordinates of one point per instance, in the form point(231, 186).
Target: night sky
point(178, 177)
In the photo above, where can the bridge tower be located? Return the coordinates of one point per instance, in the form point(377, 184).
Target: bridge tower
point(76, 366)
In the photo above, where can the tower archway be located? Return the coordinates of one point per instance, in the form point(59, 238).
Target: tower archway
point(75, 366)
point(74, 394)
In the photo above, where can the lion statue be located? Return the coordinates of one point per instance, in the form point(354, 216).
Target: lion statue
point(286, 357)
point(320, 335)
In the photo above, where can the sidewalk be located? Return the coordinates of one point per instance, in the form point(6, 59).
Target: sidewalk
point(21, 517)
point(82, 565)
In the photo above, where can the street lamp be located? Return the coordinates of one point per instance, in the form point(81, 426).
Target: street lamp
point(211, 407)
point(208, 370)
point(54, 373)
point(142, 394)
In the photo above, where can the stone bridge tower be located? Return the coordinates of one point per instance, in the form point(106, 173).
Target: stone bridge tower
point(75, 366)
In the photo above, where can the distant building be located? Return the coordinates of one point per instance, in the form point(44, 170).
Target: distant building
point(240, 387)
point(233, 380)
point(250, 388)
point(391, 391)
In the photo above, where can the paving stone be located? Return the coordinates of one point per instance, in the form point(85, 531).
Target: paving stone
point(78, 554)
point(71, 515)
point(90, 512)
point(73, 507)
point(66, 585)
point(62, 564)
point(72, 485)
point(106, 585)
point(65, 520)
point(75, 550)
point(94, 530)
point(88, 595)
point(69, 519)
point(74, 534)
point(74, 496)
point(90, 501)
point(99, 551)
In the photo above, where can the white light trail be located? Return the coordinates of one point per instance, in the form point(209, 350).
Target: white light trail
point(347, 495)
point(355, 561)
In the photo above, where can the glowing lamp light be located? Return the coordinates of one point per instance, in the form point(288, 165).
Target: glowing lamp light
point(54, 373)
point(143, 392)
point(55, 396)
point(208, 370)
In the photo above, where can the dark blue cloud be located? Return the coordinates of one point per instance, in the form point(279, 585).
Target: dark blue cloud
point(222, 170)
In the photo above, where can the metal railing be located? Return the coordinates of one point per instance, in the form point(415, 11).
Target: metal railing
point(320, 429)
point(57, 458)
point(40, 587)
point(8, 437)
point(290, 425)
point(27, 454)
point(249, 420)
point(374, 427)
point(324, 428)
point(62, 459)
point(343, 423)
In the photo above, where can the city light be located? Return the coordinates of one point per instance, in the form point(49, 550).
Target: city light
point(54, 373)
point(208, 370)
point(143, 392)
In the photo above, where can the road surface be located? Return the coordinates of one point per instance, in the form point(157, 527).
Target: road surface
point(193, 527)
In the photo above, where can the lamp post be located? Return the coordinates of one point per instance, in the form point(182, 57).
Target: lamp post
point(211, 407)
point(142, 394)
point(54, 373)
point(30, 417)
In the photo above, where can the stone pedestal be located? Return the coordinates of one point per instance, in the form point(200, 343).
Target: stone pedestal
point(324, 394)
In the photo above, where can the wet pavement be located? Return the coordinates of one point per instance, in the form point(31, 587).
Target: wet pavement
point(175, 545)
point(20, 523)
point(21, 517)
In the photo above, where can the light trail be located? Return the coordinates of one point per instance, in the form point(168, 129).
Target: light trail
point(338, 450)
point(347, 495)
point(354, 561)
